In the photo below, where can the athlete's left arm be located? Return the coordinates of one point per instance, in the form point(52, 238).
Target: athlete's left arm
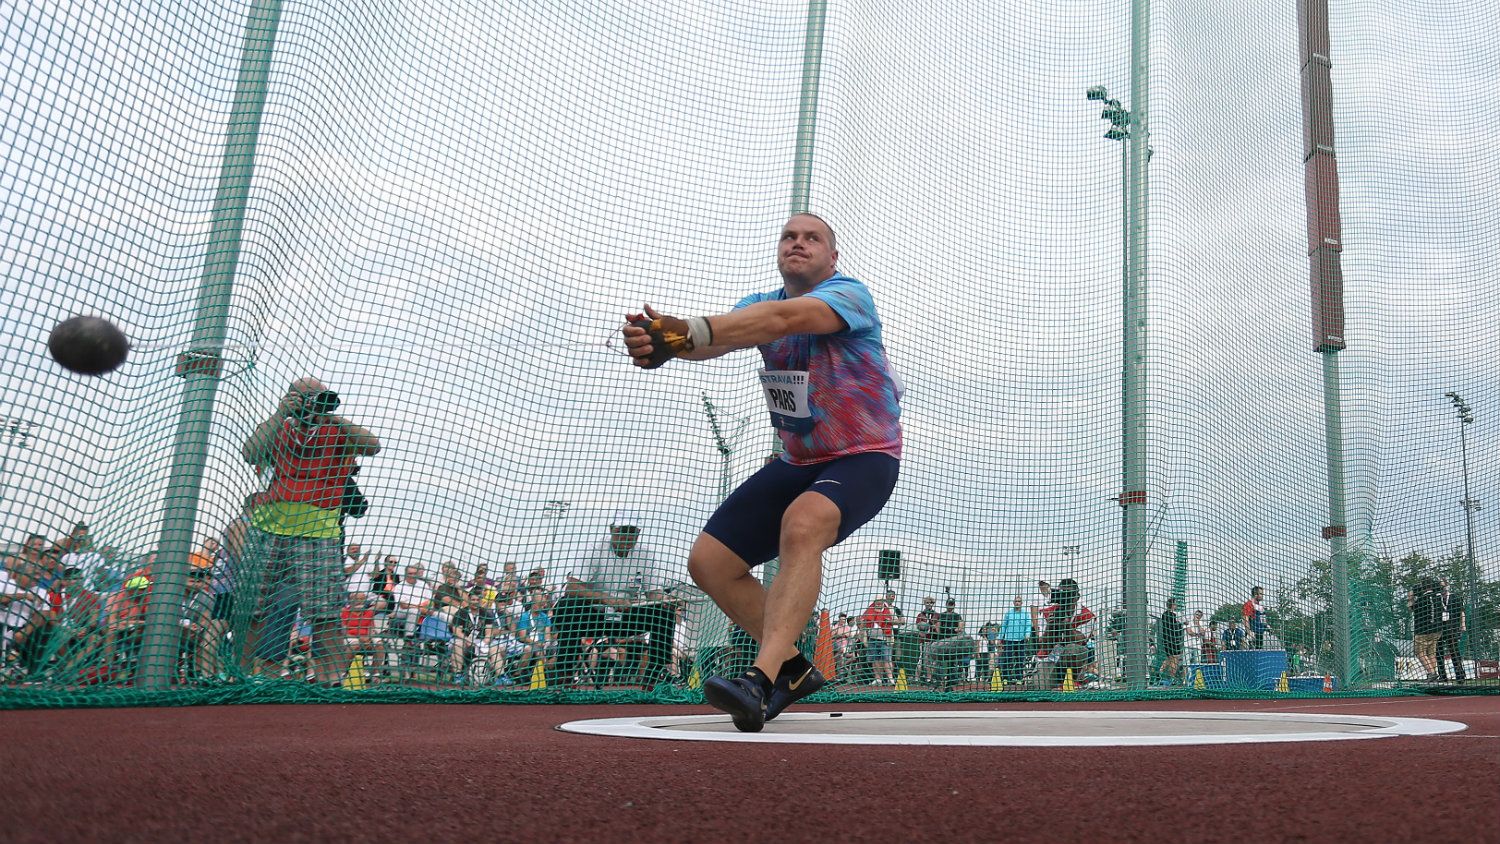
point(765, 322)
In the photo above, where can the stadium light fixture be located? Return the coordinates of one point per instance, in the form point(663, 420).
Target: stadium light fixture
point(1466, 418)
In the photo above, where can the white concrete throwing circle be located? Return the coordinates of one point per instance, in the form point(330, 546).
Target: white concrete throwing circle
point(1042, 728)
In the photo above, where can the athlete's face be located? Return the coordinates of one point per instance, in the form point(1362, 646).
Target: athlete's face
point(806, 252)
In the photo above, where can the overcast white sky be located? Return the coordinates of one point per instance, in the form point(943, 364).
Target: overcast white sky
point(454, 203)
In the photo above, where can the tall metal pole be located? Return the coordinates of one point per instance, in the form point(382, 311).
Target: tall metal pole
point(1133, 376)
point(200, 366)
point(1470, 505)
point(1345, 652)
point(1326, 274)
point(807, 111)
point(802, 164)
point(1471, 564)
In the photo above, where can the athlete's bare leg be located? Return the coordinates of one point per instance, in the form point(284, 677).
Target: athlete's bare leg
point(809, 527)
point(726, 578)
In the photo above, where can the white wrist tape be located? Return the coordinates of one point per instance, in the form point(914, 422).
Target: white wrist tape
point(699, 332)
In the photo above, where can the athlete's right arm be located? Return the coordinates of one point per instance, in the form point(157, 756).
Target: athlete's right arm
point(637, 337)
point(711, 352)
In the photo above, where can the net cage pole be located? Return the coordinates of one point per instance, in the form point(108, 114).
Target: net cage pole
point(1343, 627)
point(1325, 245)
point(807, 110)
point(1133, 416)
point(200, 367)
point(802, 162)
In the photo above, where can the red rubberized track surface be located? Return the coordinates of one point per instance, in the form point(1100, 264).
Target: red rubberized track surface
point(503, 773)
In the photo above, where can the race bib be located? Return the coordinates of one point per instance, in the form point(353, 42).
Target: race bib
point(786, 398)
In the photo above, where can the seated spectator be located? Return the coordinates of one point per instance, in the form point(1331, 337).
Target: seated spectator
point(197, 615)
point(1234, 636)
point(536, 585)
point(359, 630)
point(435, 639)
point(23, 607)
point(482, 580)
point(359, 568)
point(512, 654)
point(78, 552)
point(1063, 647)
point(534, 629)
point(448, 596)
point(77, 614)
point(474, 627)
point(509, 584)
point(124, 621)
point(411, 600)
point(987, 656)
point(203, 558)
point(603, 659)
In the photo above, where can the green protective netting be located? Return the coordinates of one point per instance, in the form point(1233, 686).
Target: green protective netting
point(442, 212)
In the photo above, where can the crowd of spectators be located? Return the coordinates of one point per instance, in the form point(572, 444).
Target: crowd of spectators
point(73, 613)
point(77, 615)
point(1036, 642)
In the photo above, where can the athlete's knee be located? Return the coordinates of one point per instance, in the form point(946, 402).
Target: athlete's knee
point(810, 525)
point(711, 563)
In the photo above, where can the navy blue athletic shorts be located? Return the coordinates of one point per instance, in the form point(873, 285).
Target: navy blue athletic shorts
point(749, 520)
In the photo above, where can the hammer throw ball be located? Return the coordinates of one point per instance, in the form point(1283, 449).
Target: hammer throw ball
point(88, 345)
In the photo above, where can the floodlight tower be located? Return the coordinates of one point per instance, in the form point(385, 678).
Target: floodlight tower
point(1471, 566)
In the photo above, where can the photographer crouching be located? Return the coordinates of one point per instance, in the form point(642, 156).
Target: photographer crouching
point(293, 558)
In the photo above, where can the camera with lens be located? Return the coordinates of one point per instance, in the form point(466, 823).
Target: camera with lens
point(315, 405)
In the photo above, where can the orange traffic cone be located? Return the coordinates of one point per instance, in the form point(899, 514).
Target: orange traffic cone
point(1327, 683)
point(1068, 684)
point(823, 650)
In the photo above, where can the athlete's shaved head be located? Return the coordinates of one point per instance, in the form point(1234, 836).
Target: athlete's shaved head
point(807, 253)
point(833, 238)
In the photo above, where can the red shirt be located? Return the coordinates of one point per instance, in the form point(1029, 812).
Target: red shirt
point(312, 464)
point(80, 607)
point(879, 615)
point(357, 623)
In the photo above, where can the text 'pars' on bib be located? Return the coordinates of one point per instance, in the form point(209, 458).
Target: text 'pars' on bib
point(786, 398)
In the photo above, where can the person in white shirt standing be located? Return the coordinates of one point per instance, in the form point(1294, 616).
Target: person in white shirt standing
point(1197, 631)
point(618, 592)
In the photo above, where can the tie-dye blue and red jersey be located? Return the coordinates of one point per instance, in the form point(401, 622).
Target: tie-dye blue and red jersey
point(851, 394)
